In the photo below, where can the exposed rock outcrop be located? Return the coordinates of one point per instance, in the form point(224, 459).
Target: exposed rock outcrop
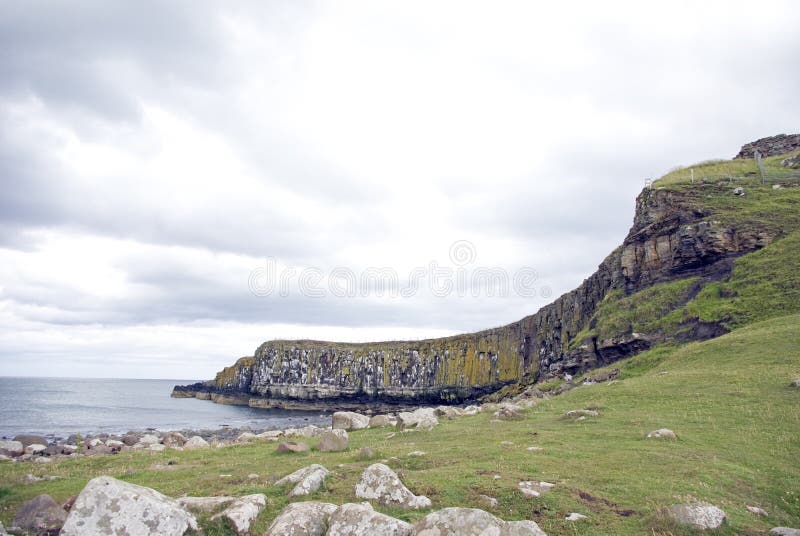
point(379, 482)
point(771, 146)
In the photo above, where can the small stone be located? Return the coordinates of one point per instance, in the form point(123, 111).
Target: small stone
point(489, 502)
point(244, 437)
point(243, 511)
point(701, 515)
point(757, 511)
point(575, 516)
point(796, 383)
point(421, 418)
point(533, 488)
point(252, 476)
point(334, 440)
point(271, 435)
point(534, 449)
point(784, 531)
point(578, 413)
point(509, 412)
point(196, 442)
point(662, 433)
point(382, 420)
point(506, 444)
point(738, 191)
point(293, 446)
point(379, 482)
point(366, 453)
point(416, 453)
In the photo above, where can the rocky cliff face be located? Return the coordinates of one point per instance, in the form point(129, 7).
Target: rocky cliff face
point(771, 146)
point(670, 238)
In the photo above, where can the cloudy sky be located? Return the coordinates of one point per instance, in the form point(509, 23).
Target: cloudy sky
point(184, 180)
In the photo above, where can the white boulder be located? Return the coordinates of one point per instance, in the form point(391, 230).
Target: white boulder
point(379, 482)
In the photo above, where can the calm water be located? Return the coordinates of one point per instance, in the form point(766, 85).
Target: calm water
point(64, 406)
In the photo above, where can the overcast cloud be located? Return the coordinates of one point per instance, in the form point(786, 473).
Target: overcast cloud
point(154, 154)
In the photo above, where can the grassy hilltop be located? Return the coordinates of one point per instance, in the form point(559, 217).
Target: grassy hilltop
point(729, 399)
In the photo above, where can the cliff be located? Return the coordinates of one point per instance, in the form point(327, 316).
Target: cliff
point(686, 233)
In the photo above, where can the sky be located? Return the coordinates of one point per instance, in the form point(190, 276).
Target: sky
point(181, 181)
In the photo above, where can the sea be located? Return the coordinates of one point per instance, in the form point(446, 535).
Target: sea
point(59, 407)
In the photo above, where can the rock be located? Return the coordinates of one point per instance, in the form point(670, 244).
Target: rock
point(172, 440)
point(449, 412)
point(472, 410)
point(422, 418)
point(506, 443)
point(532, 488)
point(42, 459)
point(757, 511)
point(244, 437)
point(253, 476)
point(271, 435)
point(4, 458)
point(770, 146)
point(334, 440)
point(416, 453)
point(738, 191)
point(35, 449)
point(575, 516)
point(149, 439)
point(31, 439)
point(662, 433)
point(2, 530)
point(700, 515)
point(784, 531)
point(382, 420)
point(243, 511)
point(382, 484)
point(578, 413)
point(302, 519)
point(778, 186)
point(196, 442)
point(307, 480)
point(792, 162)
point(796, 383)
point(366, 453)
point(157, 447)
point(109, 506)
point(11, 448)
point(130, 439)
point(509, 412)
point(534, 449)
point(41, 515)
point(349, 420)
point(293, 446)
point(472, 522)
point(489, 502)
point(204, 504)
point(115, 445)
point(306, 431)
point(361, 520)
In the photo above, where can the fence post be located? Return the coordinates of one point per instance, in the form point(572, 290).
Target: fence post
point(692, 170)
point(760, 165)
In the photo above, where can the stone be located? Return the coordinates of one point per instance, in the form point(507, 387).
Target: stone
point(534, 449)
point(792, 162)
point(41, 515)
point(35, 449)
point(472, 410)
point(382, 420)
point(149, 439)
point(532, 488)
point(662, 433)
point(349, 420)
point(172, 440)
point(472, 522)
point(379, 482)
point(244, 437)
point(353, 519)
point(306, 431)
point(204, 504)
point(738, 191)
point(42, 459)
point(366, 453)
point(271, 435)
point(109, 506)
point(293, 446)
point(449, 412)
point(575, 516)
point(796, 383)
point(307, 480)
point(757, 511)
point(115, 445)
point(416, 454)
point(11, 448)
point(308, 518)
point(157, 447)
point(243, 511)
point(770, 146)
point(489, 502)
point(699, 515)
point(196, 442)
point(784, 531)
point(509, 412)
point(130, 439)
point(2, 530)
point(578, 413)
point(334, 440)
point(422, 418)
point(31, 439)
point(4, 458)
point(253, 476)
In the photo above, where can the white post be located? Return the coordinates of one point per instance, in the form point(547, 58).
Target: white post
point(692, 170)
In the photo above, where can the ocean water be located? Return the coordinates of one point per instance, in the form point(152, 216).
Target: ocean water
point(64, 406)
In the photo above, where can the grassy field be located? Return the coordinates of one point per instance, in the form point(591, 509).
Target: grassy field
point(728, 399)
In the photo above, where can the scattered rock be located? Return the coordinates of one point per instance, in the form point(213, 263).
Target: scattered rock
point(243, 511)
point(382, 484)
point(509, 412)
point(109, 506)
point(533, 488)
point(489, 502)
point(366, 453)
point(244, 437)
point(757, 511)
point(738, 191)
point(157, 447)
point(792, 162)
point(784, 531)
point(11, 448)
point(302, 519)
point(31, 439)
point(293, 446)
point(578, 413)
point(171, 440)
point(534, 449)
point(196, 442)
point(506, 443)
point(662, 433)
point(422, 418)
point(204, 504)
point(306, 431)
point(471, 521)
point(575, 516)
point(449, 412)
point(252, 476)
point(41, 515)
point(796, 383)
point(382, 420)
point(349, 420)
point(149, 439)
point(307, 480)
point(271, 435)
point(130, 439)
point(35, 449)
point(334, 440)
point(115, 445)
point(777, 186)
point(353, 519)
point(472, 410)
point(700, 515)
point(416, 453)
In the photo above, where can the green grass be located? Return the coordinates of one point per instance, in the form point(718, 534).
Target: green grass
point(728, 399)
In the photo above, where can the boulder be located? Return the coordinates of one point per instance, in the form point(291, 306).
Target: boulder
point(738, 191)
point(449, 412)
point(149, 439)
point(271, 435)
point(12, 448)
point(349, 420)
point(662, 433)
point(472, 522)
point(172, 440)
point(31, 439)
point(784, 531)
point(353, 519)
point(244, 437)
point(112, 507)
point(379, 482)
point(471, 410)
point(196, 442)
point(115, 445)
point(157, 447)
point(384, 420)
point(699, 515)
point(422, 418)
point(41, 515)
point(509, 412)
point(532, 488)
point(293, 446)
point(577, 413)
point(302, 519)
point(306, 431)
point(307, 480)
point(366, 453)
point(204, 504)
point(333, 440)
point(35, 449)
point(130, 439)
point(243, 511)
